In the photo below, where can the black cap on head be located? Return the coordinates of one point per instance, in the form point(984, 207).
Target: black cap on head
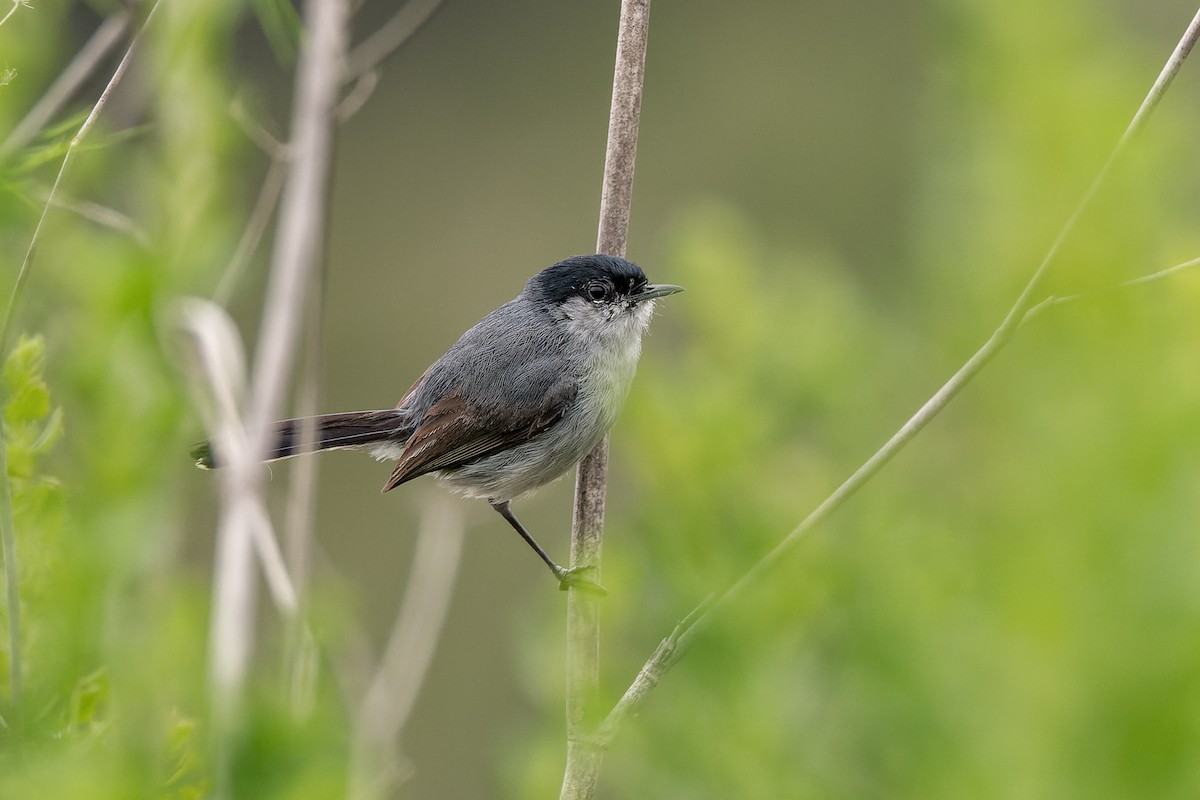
point(570, 277)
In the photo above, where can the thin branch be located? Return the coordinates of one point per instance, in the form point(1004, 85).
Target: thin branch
point(256, 226)
point(67, 83)
point(665, 656)
point(257, 132)
point(1053, 301)
point(299, 245)
point(304, 164)
point(1162, 273)
point(8, 545)
point(84, 130)
point(391, 35)
point(302, 495)
point(301, 661)
point(299, 239)
point(15, 5)
point(358, 95)
point(101, 215)
point(389, 700)
point(587, 529)
point(217, 369)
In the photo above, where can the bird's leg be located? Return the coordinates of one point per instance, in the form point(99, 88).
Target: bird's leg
point(566, 577)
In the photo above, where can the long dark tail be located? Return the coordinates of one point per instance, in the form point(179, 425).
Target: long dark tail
point(328, 431)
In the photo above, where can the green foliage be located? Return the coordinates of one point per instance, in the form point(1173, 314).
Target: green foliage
point(114, 621)
point(1010, 608)
point(31, 426)
point(282, 26)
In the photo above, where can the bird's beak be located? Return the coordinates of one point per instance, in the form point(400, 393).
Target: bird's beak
point(653, 290)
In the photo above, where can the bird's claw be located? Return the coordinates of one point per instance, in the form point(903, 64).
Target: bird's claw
point(577, 579)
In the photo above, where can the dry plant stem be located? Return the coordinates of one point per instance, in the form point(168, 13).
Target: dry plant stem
point(264, 204)
point(299, 240)
point(1164, 273)
point(393, 691)
point(583, 626)
point(300, 657)
point(102, 215)
point(358, 96)
point(361, 62)
point(232, 550)
point(675, 645)
point(15, 5)
point(216, 361)
point(1053, 301)
point(390, 36)
point(68, 82)
point(7, 531)
point(583, 608)
point(260, 218)
point(301, 503)
point(84, 130)
point(298, 246)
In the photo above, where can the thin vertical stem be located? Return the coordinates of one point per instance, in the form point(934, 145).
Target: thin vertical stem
point(299, 245)
point(587, 530)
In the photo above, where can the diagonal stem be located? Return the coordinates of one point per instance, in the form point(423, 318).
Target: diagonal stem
point(676, 645)
point(67, 83)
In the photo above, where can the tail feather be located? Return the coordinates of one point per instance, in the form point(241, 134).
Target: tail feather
point(328, 431)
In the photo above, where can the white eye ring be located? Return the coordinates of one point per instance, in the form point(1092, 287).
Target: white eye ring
point(597, 291)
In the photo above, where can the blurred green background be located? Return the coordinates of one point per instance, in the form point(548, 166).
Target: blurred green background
point(853, 195)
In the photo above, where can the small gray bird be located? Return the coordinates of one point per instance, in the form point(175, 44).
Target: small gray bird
point(517, 401)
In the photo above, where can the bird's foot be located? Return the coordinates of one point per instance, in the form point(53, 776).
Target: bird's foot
point(577, 579)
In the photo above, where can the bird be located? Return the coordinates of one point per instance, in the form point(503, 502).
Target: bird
point(515, 403)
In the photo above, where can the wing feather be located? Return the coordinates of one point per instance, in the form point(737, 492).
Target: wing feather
point(454, 432)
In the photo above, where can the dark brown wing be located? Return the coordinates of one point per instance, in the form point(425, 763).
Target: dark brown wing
point(453, 432)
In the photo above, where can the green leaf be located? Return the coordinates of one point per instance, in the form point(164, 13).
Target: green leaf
point(26, 396)
point(282, 27)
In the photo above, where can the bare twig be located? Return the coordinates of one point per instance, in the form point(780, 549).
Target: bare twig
point(260, 218)
point(587, 529)
point(300, 658)
point(299, 240)
point(301, 505)
point(257, 132)
point(299, 244)
point(68, 82)
point(389, 700)
point(7, 531)
point(15, 5)
point(218, 371)
point(385, 41)
point(665, 656)
point(358, 95)
point(84, 130)
point(264, 204)
point(101, 215)
point(1162, 273)
point(1053, 301)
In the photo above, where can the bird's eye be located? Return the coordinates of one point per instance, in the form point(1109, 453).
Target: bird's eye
point(597, 291)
